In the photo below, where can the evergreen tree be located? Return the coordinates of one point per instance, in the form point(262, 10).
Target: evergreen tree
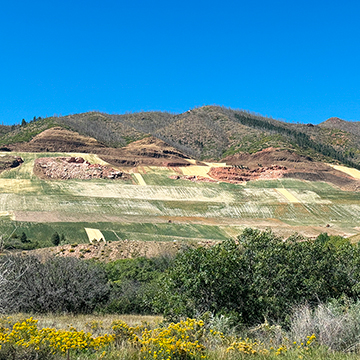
point(23, 238)
point(55, 238)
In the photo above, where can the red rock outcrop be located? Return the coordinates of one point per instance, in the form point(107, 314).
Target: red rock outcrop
point(237, 175)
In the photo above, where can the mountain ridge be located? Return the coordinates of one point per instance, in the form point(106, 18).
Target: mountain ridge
point(205, 133)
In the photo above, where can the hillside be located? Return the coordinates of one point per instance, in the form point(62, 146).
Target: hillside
point(205, 133)
point(352, 127)
point(157, 177)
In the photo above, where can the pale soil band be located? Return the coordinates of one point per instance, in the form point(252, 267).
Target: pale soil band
point(290, 197)
point(7, 213)
point(140, 179)
point(349, 171)
point(94, 234)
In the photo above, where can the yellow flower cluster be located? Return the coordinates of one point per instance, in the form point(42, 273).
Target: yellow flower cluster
point(304, 347)
point(248, 347)
point(26, 334)
point(182, 340)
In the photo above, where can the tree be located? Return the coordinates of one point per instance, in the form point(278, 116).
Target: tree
point(261, 276)
point(55, 239)
point(23, 122)
point(202, 280)
point(24, 239)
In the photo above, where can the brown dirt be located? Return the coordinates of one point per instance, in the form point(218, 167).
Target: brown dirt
point(9, 162)
point(148, 151)
point(237, 175)
point(193, 178)
point(64, 168)
point(298, 167)
point(268, 157)
point(110, 251)
point(58, 139)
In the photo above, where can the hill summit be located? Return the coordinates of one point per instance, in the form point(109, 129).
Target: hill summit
point(205, 133)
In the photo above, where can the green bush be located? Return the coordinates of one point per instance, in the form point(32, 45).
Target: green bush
point(259, 277)
point(133, 283)
point(55, 239)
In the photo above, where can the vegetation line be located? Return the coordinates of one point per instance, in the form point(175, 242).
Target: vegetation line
point(302, 139)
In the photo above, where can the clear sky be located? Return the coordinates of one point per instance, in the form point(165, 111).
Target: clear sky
point(293, 60)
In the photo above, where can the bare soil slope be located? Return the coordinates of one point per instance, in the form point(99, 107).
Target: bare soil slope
point(148, 151)
point(110, 251)
point(9, 162)
point(235, 175)
point(58, 139)
point(297, 167)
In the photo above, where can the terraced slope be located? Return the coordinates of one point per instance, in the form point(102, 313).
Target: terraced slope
point(169, 194)
point(165, 207)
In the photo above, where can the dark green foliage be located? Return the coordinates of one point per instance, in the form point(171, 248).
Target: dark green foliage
point(332, 240)
point(262, 276)
point(303, 140)
point(22, 242)
point(202, 280)
point(132, 283)
point(139, 269)
point(259, 276)
point(23, 238)
point(55, 238)
point(23, 122)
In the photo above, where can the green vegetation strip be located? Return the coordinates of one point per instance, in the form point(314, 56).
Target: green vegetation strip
point(39, 234)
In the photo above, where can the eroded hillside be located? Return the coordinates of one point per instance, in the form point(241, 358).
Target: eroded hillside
point(205, 133)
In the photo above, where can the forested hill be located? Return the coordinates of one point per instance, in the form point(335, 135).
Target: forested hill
point(208, 132)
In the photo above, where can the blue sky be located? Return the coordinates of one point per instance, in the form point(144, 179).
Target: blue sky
point(297, 61)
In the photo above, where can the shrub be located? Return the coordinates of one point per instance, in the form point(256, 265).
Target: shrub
point(23, 238)
point(335, 324)
point(260, 277)
point(55, 239)
point(132, 283)
point(59, 285)
point(24, 340)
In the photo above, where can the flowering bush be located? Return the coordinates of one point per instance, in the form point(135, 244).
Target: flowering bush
point(186, 340)
point(183, 340)
point(26, 335)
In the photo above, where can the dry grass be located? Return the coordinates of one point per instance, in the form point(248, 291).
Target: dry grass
point(94, 234)
point(349, 171)
point(140, 179)
point(96, 324)
point(16, 186)
point(194, 170)
point(287, 194)
point(91, 158)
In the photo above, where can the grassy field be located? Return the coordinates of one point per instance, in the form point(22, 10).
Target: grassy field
point(163, 208)
point(167, 341)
